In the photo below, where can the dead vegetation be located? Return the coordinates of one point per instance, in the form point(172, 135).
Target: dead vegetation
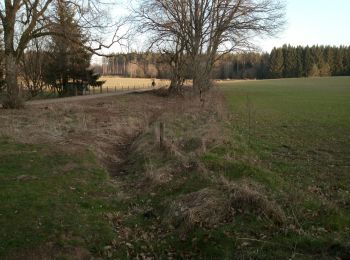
point(106, 127)
point(212, 207)
point(193, 128)
point(123, 132)
point(207, 208)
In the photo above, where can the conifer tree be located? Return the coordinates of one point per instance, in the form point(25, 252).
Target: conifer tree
point(68, 62)
point(276, 63)
point(328, 57)
point(308, 62)
point(300, 63)
point(338, 62)
point(290, 61)
point(347, 72)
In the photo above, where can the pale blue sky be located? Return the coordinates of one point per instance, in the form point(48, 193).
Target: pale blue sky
point(314, 22)
point(309, 22)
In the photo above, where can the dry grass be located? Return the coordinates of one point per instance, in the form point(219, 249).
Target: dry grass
point(207, 208)
point(100, 125)
point(123, 132)
point(106, 126)
point(157, 176)
point(191, 129)
point(212, 207)
point(248, 196)
point(111, 127)
point(119, 82)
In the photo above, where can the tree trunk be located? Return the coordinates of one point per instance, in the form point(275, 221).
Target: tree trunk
point(175, 87)
point(202, 67)
point(13, 98)
point(201, 79)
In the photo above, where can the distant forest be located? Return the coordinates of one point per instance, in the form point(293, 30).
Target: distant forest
point(284, 62)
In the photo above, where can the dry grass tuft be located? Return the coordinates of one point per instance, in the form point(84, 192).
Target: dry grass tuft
point(157, 176)
point(211, 207)
point(207, 208)
point(248, 196)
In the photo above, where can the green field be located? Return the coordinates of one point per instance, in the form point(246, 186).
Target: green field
point(298, 131)
point(297, 125)
point(259, 172)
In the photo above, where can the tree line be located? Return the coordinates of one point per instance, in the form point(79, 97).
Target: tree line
point(50, 42)
point(288, 61)
point(60, 61)
point(283, 62)
point(135, 65)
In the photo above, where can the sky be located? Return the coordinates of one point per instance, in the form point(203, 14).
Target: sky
point(310, 22)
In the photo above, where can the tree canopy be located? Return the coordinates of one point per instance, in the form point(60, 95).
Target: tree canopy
point(200, 30)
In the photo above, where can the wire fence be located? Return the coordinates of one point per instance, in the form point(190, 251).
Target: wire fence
point(120, 88)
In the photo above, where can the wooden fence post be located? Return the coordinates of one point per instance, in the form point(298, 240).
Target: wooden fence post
point(161, 135)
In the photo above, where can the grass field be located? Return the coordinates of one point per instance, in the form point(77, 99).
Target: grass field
point(298, 131)
point(259, 172)
point(119, 82)
point(112, 84)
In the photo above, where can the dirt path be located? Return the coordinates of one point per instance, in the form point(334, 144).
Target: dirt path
point(82, 98)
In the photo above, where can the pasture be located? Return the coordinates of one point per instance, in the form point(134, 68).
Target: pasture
point(259, 170)
point(298, 131)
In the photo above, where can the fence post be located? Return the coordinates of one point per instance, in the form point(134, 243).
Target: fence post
point(161, 135)
point(107, 89)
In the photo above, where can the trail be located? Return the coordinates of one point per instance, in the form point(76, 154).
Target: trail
point(83, 98)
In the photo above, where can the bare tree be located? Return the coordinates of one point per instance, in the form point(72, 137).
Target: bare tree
point(25, 20)
point(205, 29)
point(32, 68)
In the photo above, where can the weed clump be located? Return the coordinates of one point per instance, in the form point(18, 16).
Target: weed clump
point(206, 208)
point(211, 207)
point(245, 198)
